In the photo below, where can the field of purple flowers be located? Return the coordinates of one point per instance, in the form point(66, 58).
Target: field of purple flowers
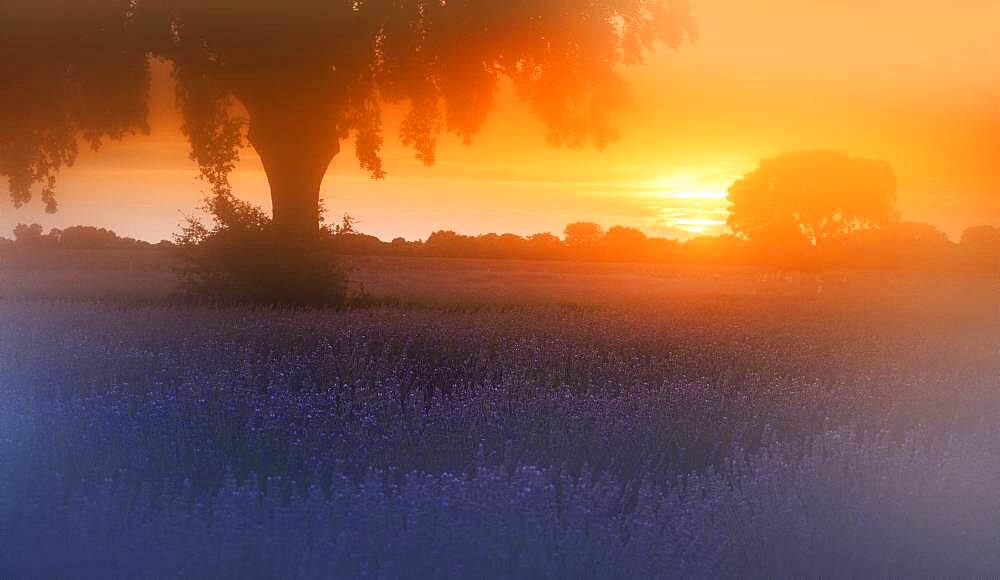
point(707, 437)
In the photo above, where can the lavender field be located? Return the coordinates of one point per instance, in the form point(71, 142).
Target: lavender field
point(675, 430)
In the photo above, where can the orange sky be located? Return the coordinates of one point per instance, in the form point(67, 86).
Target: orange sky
point(915, 82)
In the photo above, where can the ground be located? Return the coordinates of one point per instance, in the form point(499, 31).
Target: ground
point(499, 419)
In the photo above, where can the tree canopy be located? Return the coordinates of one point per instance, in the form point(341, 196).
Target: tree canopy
point(812, 196)
point(295, 78)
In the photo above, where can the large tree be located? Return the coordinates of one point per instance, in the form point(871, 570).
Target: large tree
point(296, 78)
point(812, 196)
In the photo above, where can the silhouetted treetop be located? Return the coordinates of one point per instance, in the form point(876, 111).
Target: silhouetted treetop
point(583, 235)
point(309, 74)
point(815, 195)
point(67, 70)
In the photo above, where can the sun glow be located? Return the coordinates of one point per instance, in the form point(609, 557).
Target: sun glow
point(692, 203)
point(695, 215)
point(698, 226)
point(695, 194)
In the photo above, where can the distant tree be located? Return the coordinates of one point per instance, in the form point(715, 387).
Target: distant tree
point(358, 244)
point(583, 239)
point(900, 246)
point(724, 249)
point(448, 244)
point(29, 236)
point(623, 244)
point(88, 237)
point(512, 245)
point(981, 236)
point(812, 195)
point(981, 247)
point(662, 249)
point(73, 238)
point(546, 246)
point(486, 246)
point(402, 247)
point(307, 75)
point(347, 226)
point(509, 246)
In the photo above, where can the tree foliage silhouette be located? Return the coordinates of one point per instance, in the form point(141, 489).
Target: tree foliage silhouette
point(69, 69)
point(583, 236)
point(294, 79)
point(982, 246)
point(812, 197)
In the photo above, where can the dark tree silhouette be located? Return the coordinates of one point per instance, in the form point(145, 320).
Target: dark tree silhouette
point(68, 69)
point(981, 245)
point(902, 246)
point(628, 243)
point(73, 238)
point(583, 237)
point(294, 79)
point(545, 246)
point(815, 195)
point(89, 237)
point(29, 236)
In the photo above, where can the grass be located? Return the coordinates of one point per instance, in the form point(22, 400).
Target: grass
point(503, 420)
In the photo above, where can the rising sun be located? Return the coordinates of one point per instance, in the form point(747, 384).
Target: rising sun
point(692, 206)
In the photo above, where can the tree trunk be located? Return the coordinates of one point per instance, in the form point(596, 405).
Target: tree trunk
point(294, 130)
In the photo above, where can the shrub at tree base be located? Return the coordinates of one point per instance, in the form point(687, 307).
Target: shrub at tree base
point(240, 258)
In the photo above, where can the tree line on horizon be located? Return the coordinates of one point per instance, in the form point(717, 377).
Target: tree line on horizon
point(73, 238)
point(901, 246)
point(898, 246)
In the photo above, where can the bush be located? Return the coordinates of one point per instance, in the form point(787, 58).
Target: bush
point(239, 258)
